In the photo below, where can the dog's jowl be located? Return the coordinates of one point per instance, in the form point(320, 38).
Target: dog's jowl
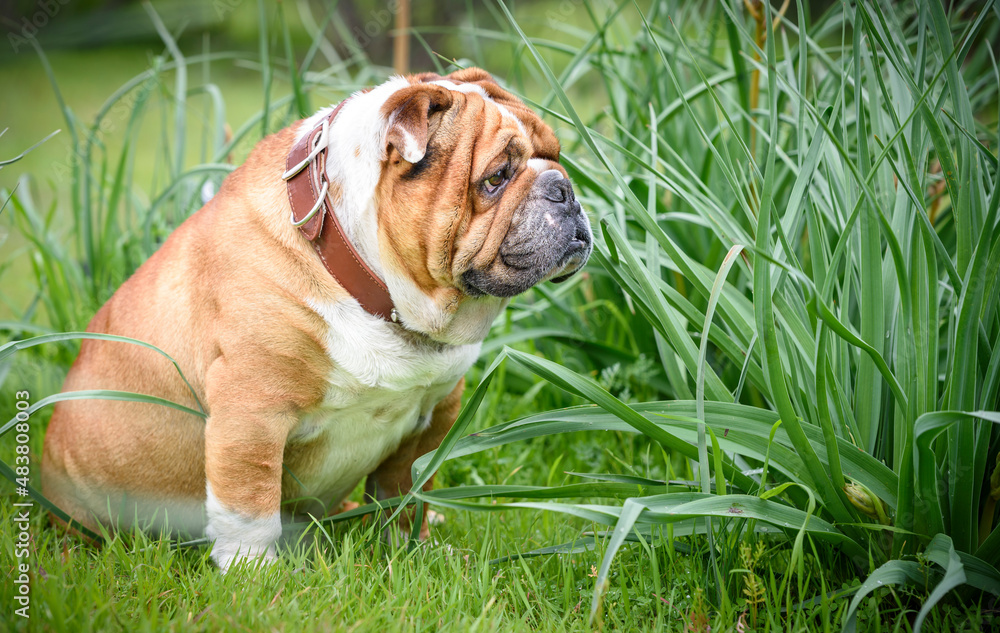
point(324, 306)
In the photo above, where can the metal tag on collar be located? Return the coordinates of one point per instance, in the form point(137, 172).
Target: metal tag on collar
point(394, 316)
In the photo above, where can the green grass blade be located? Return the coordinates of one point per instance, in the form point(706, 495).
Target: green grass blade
point(894, 572)
point(101, 394)
point(180, 88)
point(10, 348)
point(954, 576)
point(926, 429)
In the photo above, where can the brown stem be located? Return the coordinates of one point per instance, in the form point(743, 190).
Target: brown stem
point(754, 7)
point(401, 41)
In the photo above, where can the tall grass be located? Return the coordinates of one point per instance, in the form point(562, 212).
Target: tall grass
point(792, 303)
point(803, 218)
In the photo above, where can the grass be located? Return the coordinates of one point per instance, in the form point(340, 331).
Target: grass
point(789, 329)
point(340, 582)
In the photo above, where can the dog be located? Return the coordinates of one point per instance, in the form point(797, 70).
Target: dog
point(324, 307)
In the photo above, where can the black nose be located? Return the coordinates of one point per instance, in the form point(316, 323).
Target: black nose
point(557, 189)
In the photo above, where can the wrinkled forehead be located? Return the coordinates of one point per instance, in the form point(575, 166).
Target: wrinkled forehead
point(476, 89)
point(513, 113)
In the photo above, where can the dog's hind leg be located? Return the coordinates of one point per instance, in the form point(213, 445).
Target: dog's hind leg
point(394, 475)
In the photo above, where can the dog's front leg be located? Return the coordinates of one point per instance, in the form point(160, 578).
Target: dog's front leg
point(244, 445)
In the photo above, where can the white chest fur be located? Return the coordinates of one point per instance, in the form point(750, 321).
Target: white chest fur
point(383, 388)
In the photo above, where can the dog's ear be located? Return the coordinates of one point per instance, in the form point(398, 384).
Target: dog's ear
point(409, 116)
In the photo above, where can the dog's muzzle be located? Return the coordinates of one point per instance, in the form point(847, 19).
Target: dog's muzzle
point(549, 239)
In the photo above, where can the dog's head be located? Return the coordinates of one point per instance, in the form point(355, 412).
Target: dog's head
point(451, 189)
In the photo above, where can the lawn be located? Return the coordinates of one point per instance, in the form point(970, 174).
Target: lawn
point(769, 403)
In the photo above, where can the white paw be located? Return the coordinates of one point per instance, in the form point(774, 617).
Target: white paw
point(226, 561)
point(238, 537)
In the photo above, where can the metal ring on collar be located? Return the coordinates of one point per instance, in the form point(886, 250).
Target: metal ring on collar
point(320, 145)
point(319, 203)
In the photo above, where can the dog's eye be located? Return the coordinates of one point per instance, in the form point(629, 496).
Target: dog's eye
point(494, 181)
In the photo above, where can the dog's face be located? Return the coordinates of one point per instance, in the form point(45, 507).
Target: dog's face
point(472, 205)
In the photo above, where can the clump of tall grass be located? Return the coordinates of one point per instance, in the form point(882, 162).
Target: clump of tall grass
point(802, 215)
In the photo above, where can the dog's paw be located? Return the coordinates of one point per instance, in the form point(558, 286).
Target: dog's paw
point(225, 562)
point(228, 551)
point(347, 505)
point(238, 537)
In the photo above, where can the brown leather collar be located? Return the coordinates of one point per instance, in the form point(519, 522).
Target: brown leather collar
point(312, 213)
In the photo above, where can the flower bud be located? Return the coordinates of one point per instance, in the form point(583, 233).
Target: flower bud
point(867, 503)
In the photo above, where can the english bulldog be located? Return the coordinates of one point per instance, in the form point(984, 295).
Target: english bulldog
point(324, 306)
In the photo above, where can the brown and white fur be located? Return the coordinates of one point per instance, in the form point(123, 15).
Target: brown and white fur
point(306, 393)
